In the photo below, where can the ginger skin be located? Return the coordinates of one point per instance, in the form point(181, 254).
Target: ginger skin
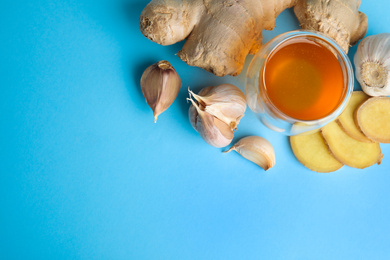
point(221, 33)
point(338, 19)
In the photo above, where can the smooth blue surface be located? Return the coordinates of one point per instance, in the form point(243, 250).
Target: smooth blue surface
point(86, 174)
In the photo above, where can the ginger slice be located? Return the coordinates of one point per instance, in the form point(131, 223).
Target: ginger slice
point(313, 153)
point(346, 119)
point(348, 150)
point(373, 118)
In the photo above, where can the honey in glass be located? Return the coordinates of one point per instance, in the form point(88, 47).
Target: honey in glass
point(303, 79)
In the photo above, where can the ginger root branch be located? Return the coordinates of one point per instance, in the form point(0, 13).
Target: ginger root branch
point(220, 34)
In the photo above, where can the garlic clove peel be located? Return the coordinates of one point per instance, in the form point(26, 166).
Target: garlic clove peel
point(220, 93)
point(257, 150)
point(230, 113)
point(372, 64)
point(160, 85)
point(211, 129)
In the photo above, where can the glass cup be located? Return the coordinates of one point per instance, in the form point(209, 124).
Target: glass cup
point(260, 103)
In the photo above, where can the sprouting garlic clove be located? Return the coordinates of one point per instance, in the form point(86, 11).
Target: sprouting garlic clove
point(257, 150)
point(160, 85)
point(226, 102)
point(211, 129)
point(372, 64)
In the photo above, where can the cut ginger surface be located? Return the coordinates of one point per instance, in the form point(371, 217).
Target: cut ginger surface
point(373, 118)
point(348, 150)
point(312, 152)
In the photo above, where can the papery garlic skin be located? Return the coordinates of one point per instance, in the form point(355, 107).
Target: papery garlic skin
point(211, 129)
point(372, 64)
point(257, 150)
point(226, 102)
point(160, 85)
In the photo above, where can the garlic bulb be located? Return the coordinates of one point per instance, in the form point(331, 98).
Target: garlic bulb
point(257, 150)
point(211, 129)
point(226, 102)
point(372, 64)
point(160, 85)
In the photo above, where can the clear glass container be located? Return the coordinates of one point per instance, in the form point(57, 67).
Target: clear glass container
point(271, 116)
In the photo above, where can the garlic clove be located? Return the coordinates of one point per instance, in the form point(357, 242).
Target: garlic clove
point(226, 102)
point(193, 115)
point(372, 64)
point(230, 114)
point(257, 150)
point(160, 85)
point(211, 129)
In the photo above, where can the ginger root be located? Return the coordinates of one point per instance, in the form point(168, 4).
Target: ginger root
point(221, 33)
point(338, 19)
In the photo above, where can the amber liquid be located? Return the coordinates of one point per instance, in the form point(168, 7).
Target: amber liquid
point(303, 79)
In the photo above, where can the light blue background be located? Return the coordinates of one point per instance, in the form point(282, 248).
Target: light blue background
point(86, 174)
